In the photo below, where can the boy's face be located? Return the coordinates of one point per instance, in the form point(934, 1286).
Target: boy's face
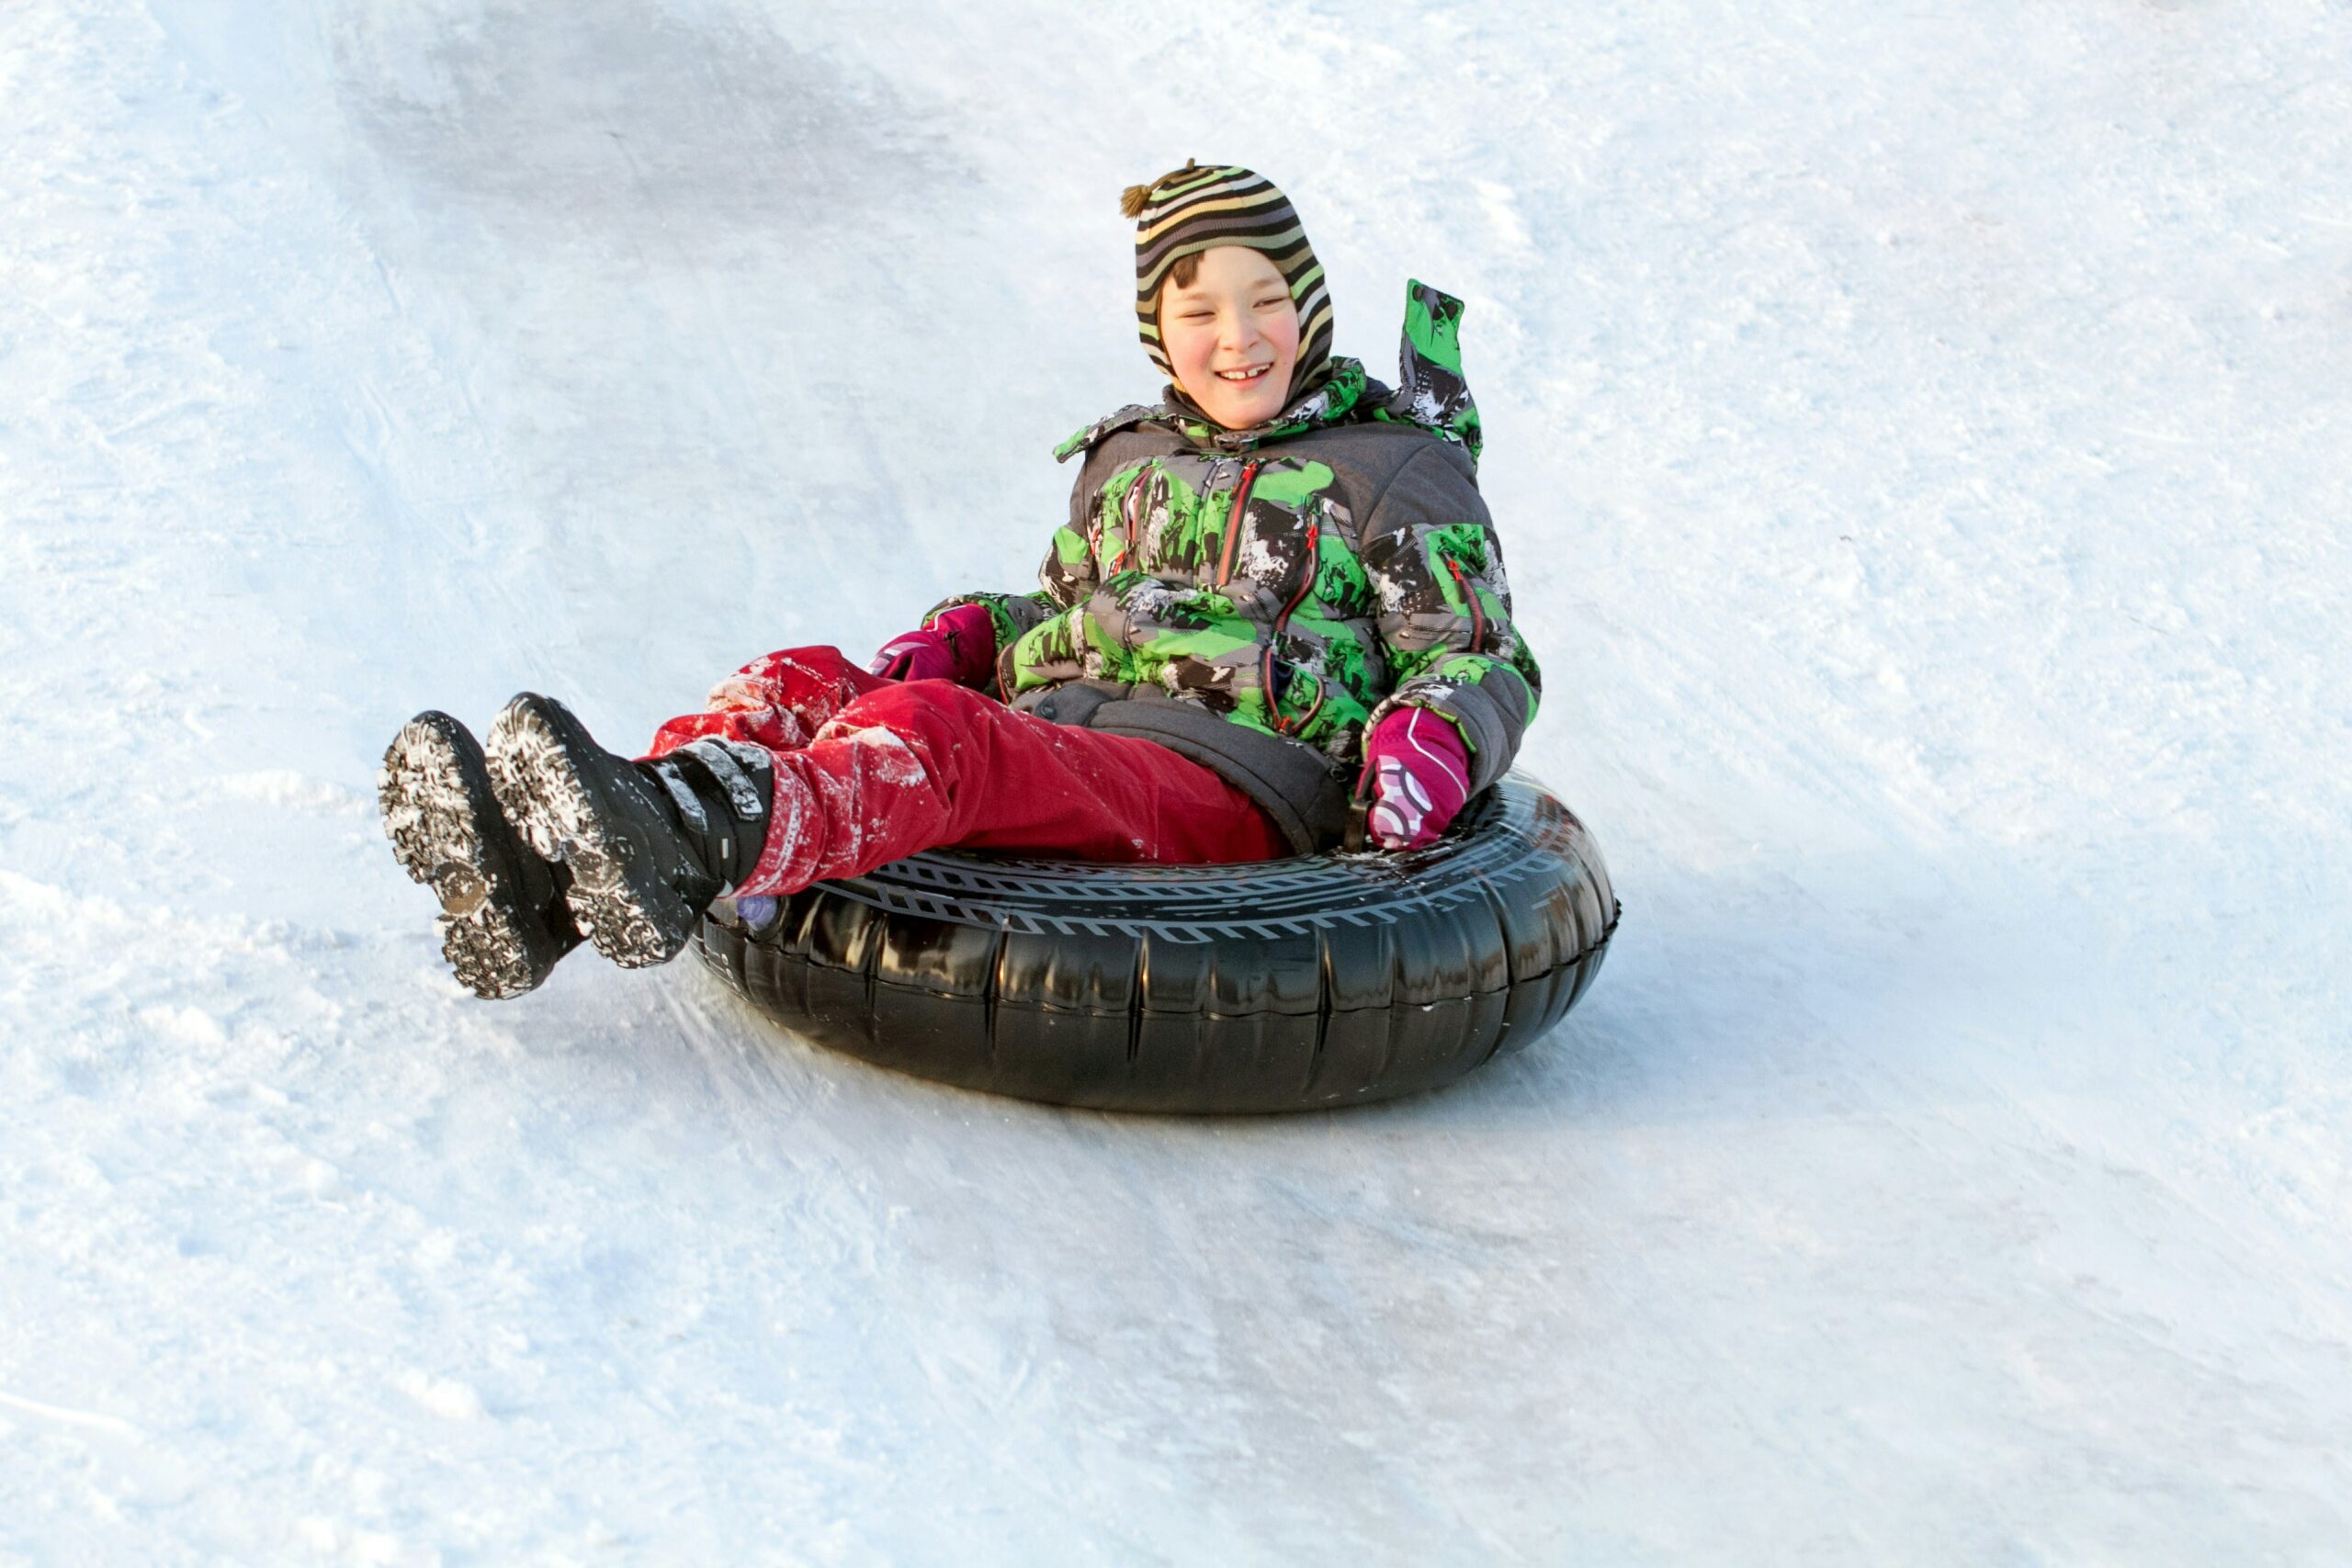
point(1235, 317)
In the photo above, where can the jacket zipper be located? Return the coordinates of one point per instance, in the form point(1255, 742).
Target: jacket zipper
point(1266, 669)
point(1233, 523)
point(1127, 526)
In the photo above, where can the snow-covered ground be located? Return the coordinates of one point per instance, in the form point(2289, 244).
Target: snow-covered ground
point(1924, 442)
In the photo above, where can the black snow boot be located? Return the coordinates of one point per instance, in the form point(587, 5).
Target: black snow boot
point(503, 920)
point(648, 844)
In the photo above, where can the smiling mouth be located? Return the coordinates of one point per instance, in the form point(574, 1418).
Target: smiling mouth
point(1244, 377)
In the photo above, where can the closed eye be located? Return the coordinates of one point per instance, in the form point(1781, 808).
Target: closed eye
point(1205, 315)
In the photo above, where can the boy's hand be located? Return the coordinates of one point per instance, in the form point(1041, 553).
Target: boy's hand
point(918, 656)
point(960, 645)
point(1420, 770)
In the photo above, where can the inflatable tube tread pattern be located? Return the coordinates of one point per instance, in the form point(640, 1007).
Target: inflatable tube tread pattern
point(1093, 984)
point(1257, 1061)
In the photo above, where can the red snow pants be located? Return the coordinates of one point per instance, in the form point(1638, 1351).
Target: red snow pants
point(868, 770)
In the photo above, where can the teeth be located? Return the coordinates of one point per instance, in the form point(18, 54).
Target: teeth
point(1243, 375)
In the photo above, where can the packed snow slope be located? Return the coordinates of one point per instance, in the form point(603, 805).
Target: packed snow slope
point(1920, 440)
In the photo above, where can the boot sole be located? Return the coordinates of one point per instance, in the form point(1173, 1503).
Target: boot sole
point(434, 792)
point(632, 916)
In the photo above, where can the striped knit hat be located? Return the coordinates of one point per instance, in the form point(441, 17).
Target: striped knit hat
point(1194, 208)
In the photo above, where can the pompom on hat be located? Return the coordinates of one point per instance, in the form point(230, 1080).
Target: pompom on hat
point(1199, 207)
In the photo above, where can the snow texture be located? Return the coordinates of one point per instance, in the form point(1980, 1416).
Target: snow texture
point(1920, 440)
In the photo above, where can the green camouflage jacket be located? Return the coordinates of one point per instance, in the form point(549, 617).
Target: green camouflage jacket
point(1256, 599)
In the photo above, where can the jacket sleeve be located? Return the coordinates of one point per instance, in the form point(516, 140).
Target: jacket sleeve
point(1067, 579)
point(1444, 612)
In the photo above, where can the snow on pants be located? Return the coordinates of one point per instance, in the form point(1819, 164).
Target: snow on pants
point(869, 770)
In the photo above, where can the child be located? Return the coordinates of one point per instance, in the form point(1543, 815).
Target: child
point(1278, 593)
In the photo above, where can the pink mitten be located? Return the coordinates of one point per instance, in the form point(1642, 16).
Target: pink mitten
point(960, 645)
point(1419, 769)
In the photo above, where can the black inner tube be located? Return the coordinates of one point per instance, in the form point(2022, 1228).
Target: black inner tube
point(1289, 985)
